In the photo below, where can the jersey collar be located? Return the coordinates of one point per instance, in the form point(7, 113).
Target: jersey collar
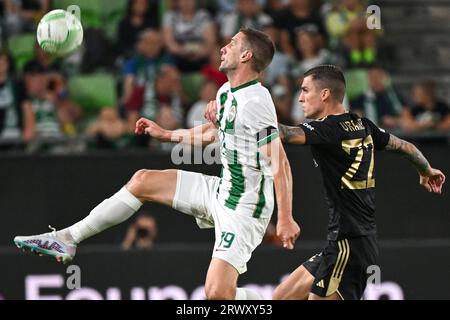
point(247, 84)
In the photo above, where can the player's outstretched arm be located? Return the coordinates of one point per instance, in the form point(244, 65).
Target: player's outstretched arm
point(432, 179)
point(290, 134)
point(199, 135)
point(287, 229)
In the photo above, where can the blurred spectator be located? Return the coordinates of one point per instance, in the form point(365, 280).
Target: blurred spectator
point(312, 52)
point(380, 103)
point(170, 5)
point(167, 103)
point(23, 15)
point(166, 106)
point(283, 103)
point(189, 35)
point(211, 70)
point(48, 62)
point(141, 15)
point(224, 7)
point(428, 112)
point(278, 69)
point(68, 112)
point(274, 7)
point(141, 233)
point(163, 102)
point(107, 129)
point(141, 71)
point(347, 24)
point(97, 54)
point(295, 15)
point(248, 14)
point(195, 115)
point(40, 117)
point(10, 115)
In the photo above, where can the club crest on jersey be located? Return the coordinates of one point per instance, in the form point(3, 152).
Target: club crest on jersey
point(231, 114)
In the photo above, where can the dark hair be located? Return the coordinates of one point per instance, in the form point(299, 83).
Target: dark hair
point(331, 77)
point(261, 46)
point(141, 33)
point(34, 67)
point(149, 15)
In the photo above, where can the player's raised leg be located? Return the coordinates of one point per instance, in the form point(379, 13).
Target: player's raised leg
point(144, 186)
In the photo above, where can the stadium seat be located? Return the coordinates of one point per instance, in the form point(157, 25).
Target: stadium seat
point(91, 11)
point(112, 15)
point(114, 9)
point(357, 82)
point(93, 92)
point(192, 83)
point(102, 14)
point(21, 48)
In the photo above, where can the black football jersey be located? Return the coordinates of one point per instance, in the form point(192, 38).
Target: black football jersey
point(343, 146)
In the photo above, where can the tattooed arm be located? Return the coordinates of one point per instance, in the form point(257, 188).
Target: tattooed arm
point(432, 179)
point(294, 135)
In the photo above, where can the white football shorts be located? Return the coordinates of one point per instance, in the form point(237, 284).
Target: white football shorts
point(237, 235)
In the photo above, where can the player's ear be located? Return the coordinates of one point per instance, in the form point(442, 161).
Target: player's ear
point(246, 55)
point(325, 94)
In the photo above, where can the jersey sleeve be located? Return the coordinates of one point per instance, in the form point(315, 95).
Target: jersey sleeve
point(318, 132)
point(380, 136)
point(260, 119)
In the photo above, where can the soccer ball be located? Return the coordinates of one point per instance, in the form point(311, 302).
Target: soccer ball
point(59, 32)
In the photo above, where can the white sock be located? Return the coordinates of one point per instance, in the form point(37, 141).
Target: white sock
point(247, 294)
point(110, 212)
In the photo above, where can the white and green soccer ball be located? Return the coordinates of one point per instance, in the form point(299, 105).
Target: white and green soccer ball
point(59, 32)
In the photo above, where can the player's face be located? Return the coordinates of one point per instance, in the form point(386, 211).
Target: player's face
point(310, 98)
point(230, 54)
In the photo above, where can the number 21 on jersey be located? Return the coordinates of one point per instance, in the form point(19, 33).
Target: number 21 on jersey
point(364, 151)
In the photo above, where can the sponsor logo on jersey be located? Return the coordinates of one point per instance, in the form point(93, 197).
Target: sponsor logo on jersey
point(320, 284)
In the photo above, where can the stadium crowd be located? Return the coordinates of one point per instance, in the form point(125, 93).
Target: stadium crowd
point(159, 60)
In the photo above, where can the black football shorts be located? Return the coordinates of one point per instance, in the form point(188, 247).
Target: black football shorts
point(342, 267)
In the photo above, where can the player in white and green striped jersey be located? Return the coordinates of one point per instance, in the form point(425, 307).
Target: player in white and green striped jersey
point(239, 204)
point(247, 120)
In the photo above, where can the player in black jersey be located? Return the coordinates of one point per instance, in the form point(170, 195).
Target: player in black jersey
point(343, 145)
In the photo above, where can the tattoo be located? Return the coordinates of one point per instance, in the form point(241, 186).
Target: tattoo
point(410, 152)
point(291, 134)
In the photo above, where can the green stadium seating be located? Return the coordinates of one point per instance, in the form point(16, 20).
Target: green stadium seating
point(357, 82)
point(91, 11)
point(93, 92)
point(21, 48)
point(114, 12)
point(192, 83)
point(104, 14)
point(114, 8)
